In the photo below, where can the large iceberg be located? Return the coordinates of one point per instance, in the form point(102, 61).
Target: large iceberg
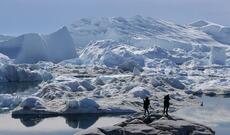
point(33, 47)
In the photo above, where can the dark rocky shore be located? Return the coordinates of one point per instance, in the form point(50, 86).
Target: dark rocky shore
point(153, 125)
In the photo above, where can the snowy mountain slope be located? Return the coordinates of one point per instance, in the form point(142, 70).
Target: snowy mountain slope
point(218, 32)
point(33, 47)
point(139, 31)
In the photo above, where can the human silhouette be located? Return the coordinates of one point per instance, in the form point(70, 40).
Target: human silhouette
point(146, 105)
point(166, 104)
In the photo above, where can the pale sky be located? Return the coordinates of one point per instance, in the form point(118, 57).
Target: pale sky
point(46, 16)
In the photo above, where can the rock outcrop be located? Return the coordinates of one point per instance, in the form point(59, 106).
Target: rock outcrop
point(153, 125)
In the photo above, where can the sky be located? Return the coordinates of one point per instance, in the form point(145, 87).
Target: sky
point(46, 16)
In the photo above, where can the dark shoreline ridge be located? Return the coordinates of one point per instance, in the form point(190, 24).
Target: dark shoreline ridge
point(155, 124)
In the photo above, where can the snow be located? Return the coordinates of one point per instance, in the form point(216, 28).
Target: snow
point(139, 31)
point(4, 59)
point(53, 91)
point(111, 54)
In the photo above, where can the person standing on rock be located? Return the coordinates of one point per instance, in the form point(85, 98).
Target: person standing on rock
point(146, 105)
point(166, 104)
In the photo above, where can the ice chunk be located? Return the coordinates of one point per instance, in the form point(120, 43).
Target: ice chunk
point(218, 55)
point(99, 81)
point(76, 61)
point(86, 102)
point(87, 85)
point(4, 59)
point(53, 91)
point(129, 66)
point(72, 84)
point(33, 103)
point(73, 104)
point(174, 82)
point(136, 72)
point(9, 101)
point(85, 105)
point(139, 92)
point(15, 73)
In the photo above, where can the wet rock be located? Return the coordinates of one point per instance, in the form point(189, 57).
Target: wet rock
point(179, 126)
point(113, 130)
point(90, 132)
point(139, 129)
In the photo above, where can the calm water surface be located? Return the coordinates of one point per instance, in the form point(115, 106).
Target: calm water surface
point(214, 113)
point(53, 126)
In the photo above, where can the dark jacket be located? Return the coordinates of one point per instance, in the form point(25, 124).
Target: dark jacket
point(166, 101)
point(146, 103)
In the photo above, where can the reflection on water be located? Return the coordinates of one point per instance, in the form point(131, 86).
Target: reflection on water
point(73, 121)
point(215, 113)
point(81, 122)
point(53, 125)
point(30, 122)
point(15, 87)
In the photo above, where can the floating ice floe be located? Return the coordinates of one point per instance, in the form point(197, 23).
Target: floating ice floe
point(9, 101)
point(85, 105)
